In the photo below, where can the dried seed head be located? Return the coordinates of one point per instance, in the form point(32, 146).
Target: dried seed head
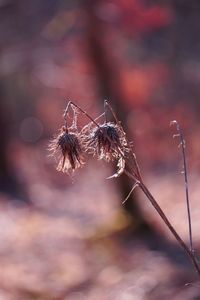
point(68, 147)
point(107, 142)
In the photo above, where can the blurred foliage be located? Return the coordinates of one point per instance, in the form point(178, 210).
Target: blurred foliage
point(151, 57)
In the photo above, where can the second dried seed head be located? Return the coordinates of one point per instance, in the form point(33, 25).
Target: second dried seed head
point(107, 141)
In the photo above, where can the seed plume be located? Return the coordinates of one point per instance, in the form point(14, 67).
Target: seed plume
point(68, 148)
point(107, 142)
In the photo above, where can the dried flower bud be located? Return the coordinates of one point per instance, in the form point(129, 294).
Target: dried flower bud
point(107, 142)
point(68, 147)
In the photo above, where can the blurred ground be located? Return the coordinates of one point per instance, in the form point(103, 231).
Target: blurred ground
point(73, 242)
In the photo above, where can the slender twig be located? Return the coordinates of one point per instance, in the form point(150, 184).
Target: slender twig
point(183, 144)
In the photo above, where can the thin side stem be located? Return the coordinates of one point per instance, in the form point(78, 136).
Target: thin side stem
point(106, 103)
point(182, 144)
point(84, 112)
point(133, 188)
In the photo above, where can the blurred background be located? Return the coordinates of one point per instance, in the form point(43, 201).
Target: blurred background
point(71, 238)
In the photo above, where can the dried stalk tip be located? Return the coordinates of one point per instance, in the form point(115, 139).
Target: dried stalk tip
point(107, 142)
point(68, 148)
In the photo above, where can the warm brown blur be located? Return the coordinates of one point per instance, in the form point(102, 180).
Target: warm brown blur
point(64, 237)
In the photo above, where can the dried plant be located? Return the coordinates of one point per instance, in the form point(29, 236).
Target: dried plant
point(68, 148)
point(107, 140)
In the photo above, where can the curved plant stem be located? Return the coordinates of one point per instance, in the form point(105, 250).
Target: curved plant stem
point(171, 228)
point(167, 222)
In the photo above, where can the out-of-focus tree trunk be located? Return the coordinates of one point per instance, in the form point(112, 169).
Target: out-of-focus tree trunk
point(8, 181)
point(109, 88)
point(22, 22)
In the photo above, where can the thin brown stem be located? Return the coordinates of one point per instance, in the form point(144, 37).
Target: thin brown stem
point(65, 115)
point(169, 225)
point(107, 104)
point(105, 110)
point(167, 222)
point(183, 144)
point(84, 112)
point(137, 167)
